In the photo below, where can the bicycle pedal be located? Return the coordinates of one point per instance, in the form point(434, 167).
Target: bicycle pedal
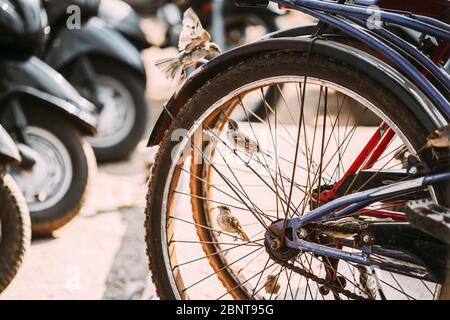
point(430, 217)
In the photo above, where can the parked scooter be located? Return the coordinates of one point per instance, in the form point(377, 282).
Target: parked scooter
point(15, 223)
point(47, 119)
point(104, 67)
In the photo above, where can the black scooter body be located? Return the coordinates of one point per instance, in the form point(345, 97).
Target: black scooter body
point(87, 50)
point(32, 79)
point(24, 76)
point(116, 14)
point(57, 9)
point(21, 27)
point(94, 38)
point(121, 17)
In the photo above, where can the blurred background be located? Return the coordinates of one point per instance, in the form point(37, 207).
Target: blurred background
point(100, 254)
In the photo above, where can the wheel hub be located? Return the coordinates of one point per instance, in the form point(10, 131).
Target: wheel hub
point(50, 177)
point(274, 243)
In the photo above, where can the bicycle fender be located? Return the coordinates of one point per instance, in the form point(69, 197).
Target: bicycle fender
point(358, 59)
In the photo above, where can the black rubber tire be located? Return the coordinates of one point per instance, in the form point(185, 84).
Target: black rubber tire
point(84, 166)
point(265, 65)
point(135, 85)
point(15, 230)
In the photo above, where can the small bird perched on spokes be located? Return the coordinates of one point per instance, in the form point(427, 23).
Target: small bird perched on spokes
point(194, 44)
point(241, 142)
point(271, 285)
point(368, 281)
point(229, 223)
point(439, 138)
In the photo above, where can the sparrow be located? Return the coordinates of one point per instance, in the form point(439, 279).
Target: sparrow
point(271, 285)
point(439, 138)
point(193, 45)
point(239, 141)
point(229, 223)
point(368, 281)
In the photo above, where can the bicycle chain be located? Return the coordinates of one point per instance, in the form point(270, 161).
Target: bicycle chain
point(327, 283)
point(336, 228)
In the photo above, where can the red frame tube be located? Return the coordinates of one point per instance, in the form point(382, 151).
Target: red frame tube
point(365, 152)
point(366, 159)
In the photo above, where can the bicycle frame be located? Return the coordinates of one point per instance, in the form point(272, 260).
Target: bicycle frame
point(345, 206)
point(342, 16)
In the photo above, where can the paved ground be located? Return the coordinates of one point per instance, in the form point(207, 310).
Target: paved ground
point(101, 253)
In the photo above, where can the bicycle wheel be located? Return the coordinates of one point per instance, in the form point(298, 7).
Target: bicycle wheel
point(194, 255)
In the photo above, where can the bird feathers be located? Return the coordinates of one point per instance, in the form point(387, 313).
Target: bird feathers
point(241, 142)
point(193, 45)
point(229, 223)
point(171, 67)
point(237, 226)
point(193, 34)
point(440, 138)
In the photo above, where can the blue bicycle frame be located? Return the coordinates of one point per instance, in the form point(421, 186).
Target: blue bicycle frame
point(344, 17)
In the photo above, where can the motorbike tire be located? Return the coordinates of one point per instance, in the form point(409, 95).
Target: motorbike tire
point(130, 81)
point(46, 220)
point(15, 231)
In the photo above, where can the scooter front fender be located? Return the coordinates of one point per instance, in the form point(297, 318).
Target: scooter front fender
point(35, 80)
point(94, 37)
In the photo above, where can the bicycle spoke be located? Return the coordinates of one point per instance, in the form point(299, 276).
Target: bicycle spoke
point(309, 145)
point(224, 267)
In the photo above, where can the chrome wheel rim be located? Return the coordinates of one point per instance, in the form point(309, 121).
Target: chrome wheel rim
point(116, 119)
point(49, 180)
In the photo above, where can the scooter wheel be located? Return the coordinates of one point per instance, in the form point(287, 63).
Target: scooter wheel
point(14, 229)
point(123, 116)
point(57, 185)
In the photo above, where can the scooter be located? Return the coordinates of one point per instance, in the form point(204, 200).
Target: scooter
point(47, 119)
point(15, 232)
point(104, 66)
